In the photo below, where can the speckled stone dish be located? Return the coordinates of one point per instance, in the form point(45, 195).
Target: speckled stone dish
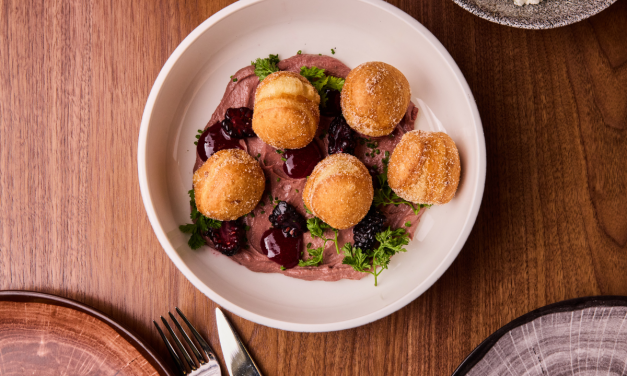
point(582, 336)
point(546, 15)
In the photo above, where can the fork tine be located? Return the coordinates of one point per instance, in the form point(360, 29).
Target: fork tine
point(201, 359)
point(205, 346)
point(178, 343)
point(173, 353)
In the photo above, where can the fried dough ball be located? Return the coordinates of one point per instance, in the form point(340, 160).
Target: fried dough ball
point(228, 185)
point(339, 191)
point(374, 98)
point(286, 113)
point(424, 168)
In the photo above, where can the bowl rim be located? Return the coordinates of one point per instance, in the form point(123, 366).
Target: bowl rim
point(514, 22)
point(286, 325)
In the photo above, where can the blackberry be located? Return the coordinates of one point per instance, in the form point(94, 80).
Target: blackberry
point(229, 238)
point(285, 217)
point(365, 231)
point(341, 137)
point(238, 122)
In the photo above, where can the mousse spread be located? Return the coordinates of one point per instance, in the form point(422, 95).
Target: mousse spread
point(285, 179)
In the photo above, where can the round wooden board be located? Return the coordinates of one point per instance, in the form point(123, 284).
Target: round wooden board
point(43, 334)
point(574, 337)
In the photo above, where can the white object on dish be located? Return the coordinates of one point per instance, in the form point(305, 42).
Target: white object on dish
point(424, 226)
point(526, 2)
point(427, 119)
point(191, 84)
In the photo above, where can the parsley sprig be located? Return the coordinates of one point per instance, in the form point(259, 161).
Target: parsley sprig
point(321, 81)
point(316, 257)
point(377, 260)
point(200, 225)
point(317, 229)
point(386, 196)
point(265, 67)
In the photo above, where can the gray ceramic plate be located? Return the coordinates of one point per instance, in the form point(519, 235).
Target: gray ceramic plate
point(583, 336)
point(546, 15)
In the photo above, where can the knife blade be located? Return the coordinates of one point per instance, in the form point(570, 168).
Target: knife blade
point(237, 359)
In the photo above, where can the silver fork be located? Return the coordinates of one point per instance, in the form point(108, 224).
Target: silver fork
point(206, 367)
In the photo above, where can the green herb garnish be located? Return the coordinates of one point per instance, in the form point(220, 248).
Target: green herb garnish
point(313, 74)
point(316, 257)
point(200, 225)
point(265, 67)
point(317, 228)
point(322, 82)
point(372, 146)
point(299, 52)
point(377, 260)
point(198, 136)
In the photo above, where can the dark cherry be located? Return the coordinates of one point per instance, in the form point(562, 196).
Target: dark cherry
point(214, 139)
point(333, 107)
point(229, 238)
point(238, 122)
point(299, 163)
point(341, 137)
point(281, 249)
point(365, 231)
point(285, 217)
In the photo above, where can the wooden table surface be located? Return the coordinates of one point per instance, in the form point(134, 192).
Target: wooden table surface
point(75, 76)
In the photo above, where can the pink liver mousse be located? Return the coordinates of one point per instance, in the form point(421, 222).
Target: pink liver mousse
point(241, 93)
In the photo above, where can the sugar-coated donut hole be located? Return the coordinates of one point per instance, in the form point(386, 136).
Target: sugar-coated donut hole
point(286, 113)
point(424, 168)
point(228, 185)
point(339, 191)
point(374, 98)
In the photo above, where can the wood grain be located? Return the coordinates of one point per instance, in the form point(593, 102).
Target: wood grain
point(74, 78)
point(44, 339)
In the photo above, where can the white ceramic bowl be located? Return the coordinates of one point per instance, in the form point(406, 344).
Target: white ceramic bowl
point(191, 85)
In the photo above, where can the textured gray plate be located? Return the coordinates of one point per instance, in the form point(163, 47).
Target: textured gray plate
point(546, 15)
point(578, 337)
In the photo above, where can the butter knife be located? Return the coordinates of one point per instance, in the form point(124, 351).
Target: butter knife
point(236, 357)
